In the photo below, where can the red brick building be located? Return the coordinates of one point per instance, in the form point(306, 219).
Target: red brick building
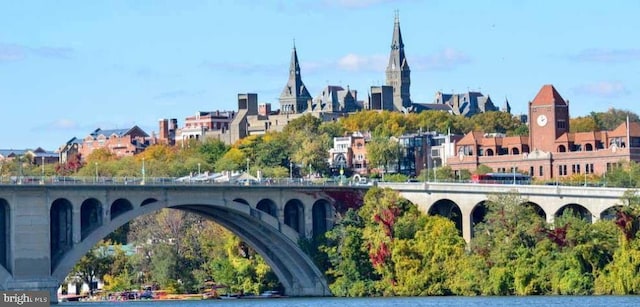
point(550, 150)
point(121, 142)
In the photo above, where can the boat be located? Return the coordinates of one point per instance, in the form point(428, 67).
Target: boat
point(229, 297)
point(271, 294)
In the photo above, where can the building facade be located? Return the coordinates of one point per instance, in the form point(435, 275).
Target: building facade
point(350, 152)
point(121, 142)
point(550, 150)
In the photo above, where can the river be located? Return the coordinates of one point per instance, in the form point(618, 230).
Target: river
point(449, 301)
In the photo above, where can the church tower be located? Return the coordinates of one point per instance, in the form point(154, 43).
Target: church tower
point(398, 72)
point(295, 97)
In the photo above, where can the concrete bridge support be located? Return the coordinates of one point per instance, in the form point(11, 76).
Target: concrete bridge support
point(29, 265)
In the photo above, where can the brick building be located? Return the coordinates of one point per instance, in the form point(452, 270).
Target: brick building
point(550, 150)
point(121, 142)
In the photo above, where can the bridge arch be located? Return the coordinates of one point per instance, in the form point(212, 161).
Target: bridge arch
point(268, 206)
point(90, 216)
point(577, 210)
point(537, 209)
point(294, 215)
point(478, 214)
point(61, 229)
point(120, 206)
point(241, 201)
point(5, 226)
point(294, 269)
point(610, 213)
point(322, 215)
point(148, 201)
point(449, 209)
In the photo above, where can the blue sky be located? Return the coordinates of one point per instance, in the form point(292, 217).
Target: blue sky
point(69, 67)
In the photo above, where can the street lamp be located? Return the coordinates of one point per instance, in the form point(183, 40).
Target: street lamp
point(198, 168)
point(42, 180)
point(143, 172)
point(290, 171)
point(96, 163)
point(248, 165)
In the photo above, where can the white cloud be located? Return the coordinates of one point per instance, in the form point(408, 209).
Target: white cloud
point(355, 62)
point(64, 124)
point(11, 52)
point(608, 55)
point(603, 89)
point(445, 59)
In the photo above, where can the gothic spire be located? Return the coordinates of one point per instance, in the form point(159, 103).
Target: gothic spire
point(294, 66)
point(397, 58)
point(294, 96)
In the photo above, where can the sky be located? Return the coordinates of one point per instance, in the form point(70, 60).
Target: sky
point(70, 67)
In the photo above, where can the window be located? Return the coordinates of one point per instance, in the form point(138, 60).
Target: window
point(541, 171)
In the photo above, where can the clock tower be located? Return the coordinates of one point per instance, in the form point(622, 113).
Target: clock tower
point(548, 119)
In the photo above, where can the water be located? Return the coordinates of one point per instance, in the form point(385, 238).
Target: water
point(451, 301)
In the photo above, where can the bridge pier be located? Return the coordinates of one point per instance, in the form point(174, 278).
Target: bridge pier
point(29, 260)
point(467, 226)
point(45, 284)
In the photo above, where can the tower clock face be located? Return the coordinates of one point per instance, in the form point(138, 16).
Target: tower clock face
point(542, 120)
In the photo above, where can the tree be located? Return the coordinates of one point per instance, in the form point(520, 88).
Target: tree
point(613, 118)
point(93, 265)
point(584, 124)
point(212, 150)
point(381, 151)
point(507, 236)
point(351, 273)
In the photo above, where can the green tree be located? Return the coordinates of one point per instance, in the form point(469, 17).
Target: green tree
point(93, 265)
point(351, 273)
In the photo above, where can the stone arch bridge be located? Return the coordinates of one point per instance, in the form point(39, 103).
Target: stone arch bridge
point(464, 202)
point(46, 229)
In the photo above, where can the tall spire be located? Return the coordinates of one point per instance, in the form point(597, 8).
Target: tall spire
point(295, 96)
point(294, 66)
point(398, 71)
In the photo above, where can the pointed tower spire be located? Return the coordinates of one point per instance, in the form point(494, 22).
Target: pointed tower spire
point(506, 107)
point(295, 96)
point(398, 72)
point(294, 65)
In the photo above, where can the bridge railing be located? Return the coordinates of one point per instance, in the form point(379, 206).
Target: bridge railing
point(189, 180)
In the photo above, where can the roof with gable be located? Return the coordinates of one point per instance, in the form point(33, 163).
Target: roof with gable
point(621, 130)
point(586, 136)
point(117, 132)
point(471, 138)
point(548, 96)
point(5, 153)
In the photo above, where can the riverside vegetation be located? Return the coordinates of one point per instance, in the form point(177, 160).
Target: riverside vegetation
point(388, 247)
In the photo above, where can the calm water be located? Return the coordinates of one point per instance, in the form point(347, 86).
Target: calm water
point(563, 301)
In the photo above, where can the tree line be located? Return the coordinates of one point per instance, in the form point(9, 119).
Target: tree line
point(389, 248)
